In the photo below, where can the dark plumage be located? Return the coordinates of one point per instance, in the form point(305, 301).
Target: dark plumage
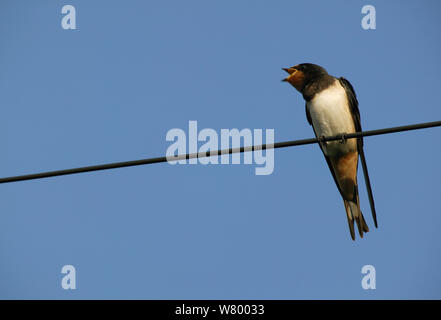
point(332, 108)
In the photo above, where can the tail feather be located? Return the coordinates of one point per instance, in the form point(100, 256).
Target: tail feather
point(353, 212)
point(350, 219)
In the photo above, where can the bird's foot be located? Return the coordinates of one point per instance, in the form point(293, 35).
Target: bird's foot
point(343, 138)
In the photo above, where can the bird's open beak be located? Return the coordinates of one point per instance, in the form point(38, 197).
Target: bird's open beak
point(291, 72)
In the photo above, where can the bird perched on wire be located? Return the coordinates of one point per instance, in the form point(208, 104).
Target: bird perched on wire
point(332, 109)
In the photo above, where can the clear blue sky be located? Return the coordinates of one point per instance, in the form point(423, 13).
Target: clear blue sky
point(110, 90)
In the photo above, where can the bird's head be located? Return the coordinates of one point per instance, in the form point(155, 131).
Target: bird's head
point(302, 74)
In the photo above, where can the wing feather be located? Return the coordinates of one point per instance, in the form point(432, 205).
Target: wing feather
point(353, 104)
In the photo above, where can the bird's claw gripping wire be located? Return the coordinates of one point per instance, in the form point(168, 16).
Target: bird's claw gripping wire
point(343, 138)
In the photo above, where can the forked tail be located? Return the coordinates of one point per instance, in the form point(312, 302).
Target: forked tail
point(353, 212)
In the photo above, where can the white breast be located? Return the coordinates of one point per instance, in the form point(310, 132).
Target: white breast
point(330, 116)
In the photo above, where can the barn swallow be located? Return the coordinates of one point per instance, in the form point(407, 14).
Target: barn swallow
point(332, 109)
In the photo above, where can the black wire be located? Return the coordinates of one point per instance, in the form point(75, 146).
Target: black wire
point(217, 152)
